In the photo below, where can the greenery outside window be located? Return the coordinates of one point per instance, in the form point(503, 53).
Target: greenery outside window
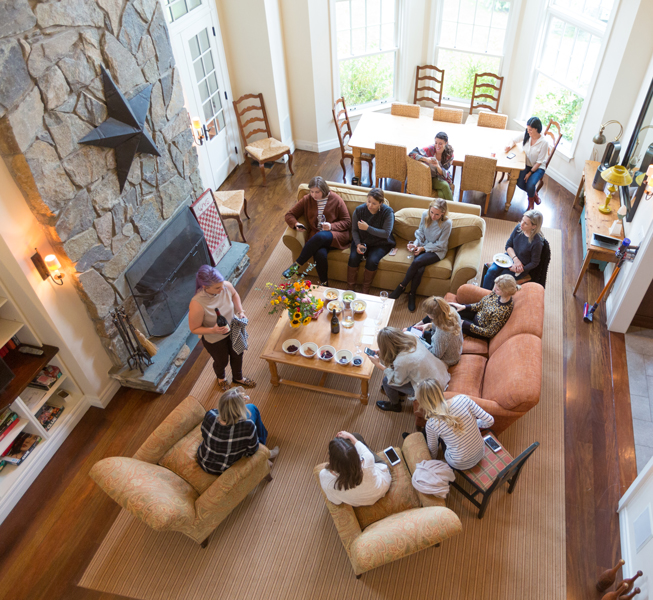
point(366, 50)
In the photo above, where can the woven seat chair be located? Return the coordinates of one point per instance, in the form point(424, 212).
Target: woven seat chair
point(555, 140)
point(264, 150)
point(418, 179)
point(448, 115)
point(485, 94)
point(390, 163)
point(399, 109)
point(343, 129)
point(489, 119)
point(230, 203)
point(432, 92)
point(478, 175)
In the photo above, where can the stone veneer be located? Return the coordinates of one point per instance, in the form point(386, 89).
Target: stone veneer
point(51, 95)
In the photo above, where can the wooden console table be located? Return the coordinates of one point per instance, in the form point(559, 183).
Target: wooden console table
point(592, 221)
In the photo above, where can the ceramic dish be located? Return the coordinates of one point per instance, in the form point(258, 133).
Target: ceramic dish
point(357, 361)
point(291, 346)
point(502, 260)
point(335, 304)
point(359, 306)
point(343, 357)
point(308, 350)
point(331, 294)
point(348, 296)
point(329, 350)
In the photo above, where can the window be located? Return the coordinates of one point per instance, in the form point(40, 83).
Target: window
point(207, 82)
point(573, 36)
point(174, 9)
point(471, 39)
point(366, 50)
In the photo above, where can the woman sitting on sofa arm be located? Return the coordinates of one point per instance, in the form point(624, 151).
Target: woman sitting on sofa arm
point(371, 230)
point(329, 224)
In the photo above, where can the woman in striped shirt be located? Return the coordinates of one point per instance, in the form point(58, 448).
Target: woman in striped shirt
point(457, 422)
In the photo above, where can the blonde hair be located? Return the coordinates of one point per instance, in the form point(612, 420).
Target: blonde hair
point(536, 218)
point(507, 284)
point(440, 204)
point(444, 315)
point(231, 406)
point(393, 342)
point(431, 400)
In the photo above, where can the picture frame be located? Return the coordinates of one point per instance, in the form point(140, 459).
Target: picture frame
point(205, 210)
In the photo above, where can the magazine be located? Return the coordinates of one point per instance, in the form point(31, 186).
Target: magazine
point(46, 378)
point(48, 414)
point(32, 396)
point(8, 425)
point(22, 447)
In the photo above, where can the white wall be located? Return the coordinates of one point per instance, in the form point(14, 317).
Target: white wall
point(55, 312)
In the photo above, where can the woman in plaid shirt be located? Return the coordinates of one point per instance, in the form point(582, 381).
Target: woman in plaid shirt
point(232, 431)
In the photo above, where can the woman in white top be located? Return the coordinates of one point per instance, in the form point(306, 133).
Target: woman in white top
point(457, 421)
point(354, 475)
point(536, 148)
point(215, 298)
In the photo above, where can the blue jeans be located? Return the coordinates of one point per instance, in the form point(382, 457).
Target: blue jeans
point(254, 414)
point(318, 248)
point(533, 180)
point(492, 273)
point(393, 392)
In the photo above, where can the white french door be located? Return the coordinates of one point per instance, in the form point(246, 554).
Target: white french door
point(199, 54)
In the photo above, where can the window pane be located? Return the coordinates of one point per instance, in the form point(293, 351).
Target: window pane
point(199, 70)
point(448, 34)
point(343, 43)
point(475, 25)
point(450, 10)
point(357, 13)
point(464, 37)
point(467, 11)
point(367, 79)
point(483, 12)
point(388, 15)
point(211, 129)
point(373, 39)
point(594, 9)
point(564, 54)
point(208, 62)
point(460, 69)
point(497, 41)
point(342, 15)
point(501, 13)
point(552, 45)
point(213, 83)
point(388, 36)
point(204, 91)
point(552, 101)
point(358, 40)
point(217, 103)
point(178, 10)
point(194, 47)
point(221, 120)
point(578, 58)
point(479, 38)
point(208, 110)
point(193, 4)
point(204, 40)
point(590, 63)
point(373, 12)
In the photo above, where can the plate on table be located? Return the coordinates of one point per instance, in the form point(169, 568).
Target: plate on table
point(502, 260)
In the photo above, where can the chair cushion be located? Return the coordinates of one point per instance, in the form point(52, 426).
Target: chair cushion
point(181, 459)
point(266, 148)
point(467, 375)
point(484, 473)
point(465, 228)
point(230, 202)
point(472, 345)
point(400, 497)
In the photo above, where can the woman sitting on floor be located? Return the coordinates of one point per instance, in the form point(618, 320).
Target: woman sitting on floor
point(329, 224)
point(457, 422)
point(430, 246)
point(371, 230)
point(442, 330)
point(524, 246)
point(439, 158)
point(485, 319)
point(354, 474)
point(404, 362)
point(232, 431)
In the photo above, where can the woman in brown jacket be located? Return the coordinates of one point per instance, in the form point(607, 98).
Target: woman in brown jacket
point(329, 226)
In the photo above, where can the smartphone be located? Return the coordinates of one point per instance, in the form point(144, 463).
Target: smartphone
point(300, 227)
point(492, 443)
point(392, 456)
point(511, 155)
point(393, 251)
point(370, 352)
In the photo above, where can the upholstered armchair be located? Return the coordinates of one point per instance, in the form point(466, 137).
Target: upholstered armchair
point(403, 522)
point(163, 486)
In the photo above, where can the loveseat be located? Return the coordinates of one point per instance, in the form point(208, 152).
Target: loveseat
point(461, 263)
point(503, 376)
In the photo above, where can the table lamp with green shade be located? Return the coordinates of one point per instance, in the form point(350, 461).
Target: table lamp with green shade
point(616, 176)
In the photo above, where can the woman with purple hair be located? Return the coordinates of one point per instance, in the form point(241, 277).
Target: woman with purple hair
point(215, 298)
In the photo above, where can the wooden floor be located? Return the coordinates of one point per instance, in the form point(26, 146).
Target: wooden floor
point(49, 538)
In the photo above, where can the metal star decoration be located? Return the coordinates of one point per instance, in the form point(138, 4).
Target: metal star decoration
point(124, 129)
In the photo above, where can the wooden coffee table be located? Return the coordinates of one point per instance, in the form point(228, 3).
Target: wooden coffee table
point(319, 331)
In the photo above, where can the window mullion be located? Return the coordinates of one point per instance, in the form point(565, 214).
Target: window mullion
point(571, 53)
point(365, 25)
point(351, 31)
point(487, 43)
point(474, 23)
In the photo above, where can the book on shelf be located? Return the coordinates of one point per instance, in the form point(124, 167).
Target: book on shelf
point(32, 396)
point(10, 345)
point(8, 424)
point(46, 378)
point(22, 447)
point(3, 464)
point(48, 414)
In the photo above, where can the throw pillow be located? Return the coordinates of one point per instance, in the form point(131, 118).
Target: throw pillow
point(465, 228)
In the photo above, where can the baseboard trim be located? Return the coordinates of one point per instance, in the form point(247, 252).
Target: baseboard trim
point(317, 146)
point(106, 395)
point(562, 180)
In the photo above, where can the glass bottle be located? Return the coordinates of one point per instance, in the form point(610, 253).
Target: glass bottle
point(221, 321)
point(335, 323)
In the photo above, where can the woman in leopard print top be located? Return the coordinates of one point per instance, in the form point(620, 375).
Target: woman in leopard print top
point(485, 319)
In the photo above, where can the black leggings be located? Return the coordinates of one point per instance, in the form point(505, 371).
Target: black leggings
point(416, 269)
point(372, 257)
point(222, 354)
point(317, 247)
point(469, 318)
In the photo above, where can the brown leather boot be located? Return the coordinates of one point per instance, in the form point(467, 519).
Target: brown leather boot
point(368, 278)
point(352, 274)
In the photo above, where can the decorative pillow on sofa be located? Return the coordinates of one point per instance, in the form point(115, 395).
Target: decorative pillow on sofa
point(465, 228)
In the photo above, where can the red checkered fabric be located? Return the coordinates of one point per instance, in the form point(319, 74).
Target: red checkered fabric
point(208, 217)
point(485, 472)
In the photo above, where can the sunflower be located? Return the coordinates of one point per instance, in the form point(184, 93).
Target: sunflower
point(297, 315)
point(295, 323)
point(307, 320)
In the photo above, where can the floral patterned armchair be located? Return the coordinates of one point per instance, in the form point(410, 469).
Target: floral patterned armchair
point(404, 521)
point(163, 485)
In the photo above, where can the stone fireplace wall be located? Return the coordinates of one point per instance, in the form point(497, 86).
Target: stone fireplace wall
point(51, 95)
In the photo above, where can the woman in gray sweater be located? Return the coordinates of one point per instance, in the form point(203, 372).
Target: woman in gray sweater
point(430, 245)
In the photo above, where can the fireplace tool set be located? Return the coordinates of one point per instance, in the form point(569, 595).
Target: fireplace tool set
point(139, 347)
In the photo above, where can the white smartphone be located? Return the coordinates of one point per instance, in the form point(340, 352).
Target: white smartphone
point(392, 456)
point(416, 332)
point(492, 443)
point(511, 155)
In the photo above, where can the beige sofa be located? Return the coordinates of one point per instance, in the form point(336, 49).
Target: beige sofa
point(461, 263)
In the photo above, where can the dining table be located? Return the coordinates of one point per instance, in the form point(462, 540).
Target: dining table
point(419, 132)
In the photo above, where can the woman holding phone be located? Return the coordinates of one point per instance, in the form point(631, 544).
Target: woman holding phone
point(439, 158)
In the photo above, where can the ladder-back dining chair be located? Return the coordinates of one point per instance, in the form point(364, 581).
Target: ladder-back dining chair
point(343, 129)
point(555, 140)
point(263, 150)
point(428, 80)
point(399, 109)
point(448, 115)
point(485, 94)
point(490, 119)
point(390, 163)
point(478, 175)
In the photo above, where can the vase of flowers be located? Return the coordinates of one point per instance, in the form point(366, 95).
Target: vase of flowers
point(294, 296)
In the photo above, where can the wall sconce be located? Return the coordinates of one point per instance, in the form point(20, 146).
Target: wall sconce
point(48, 267)
point(199, 132)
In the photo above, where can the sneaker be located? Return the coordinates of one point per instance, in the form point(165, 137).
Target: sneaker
point(274, 453)
point(388, 406)
point(288, 273)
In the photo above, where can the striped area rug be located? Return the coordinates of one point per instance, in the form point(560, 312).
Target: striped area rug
point(281, 543)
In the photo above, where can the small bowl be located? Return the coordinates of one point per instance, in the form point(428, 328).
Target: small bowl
point(357, 358)
point(344, 355)
point(335, 304)
point(356, 303)
point(331, 292)
point(348, 295)
point(288, 343)
point(308, 346)
point(324, 349)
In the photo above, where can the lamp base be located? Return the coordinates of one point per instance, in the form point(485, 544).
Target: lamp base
point(605, 209)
